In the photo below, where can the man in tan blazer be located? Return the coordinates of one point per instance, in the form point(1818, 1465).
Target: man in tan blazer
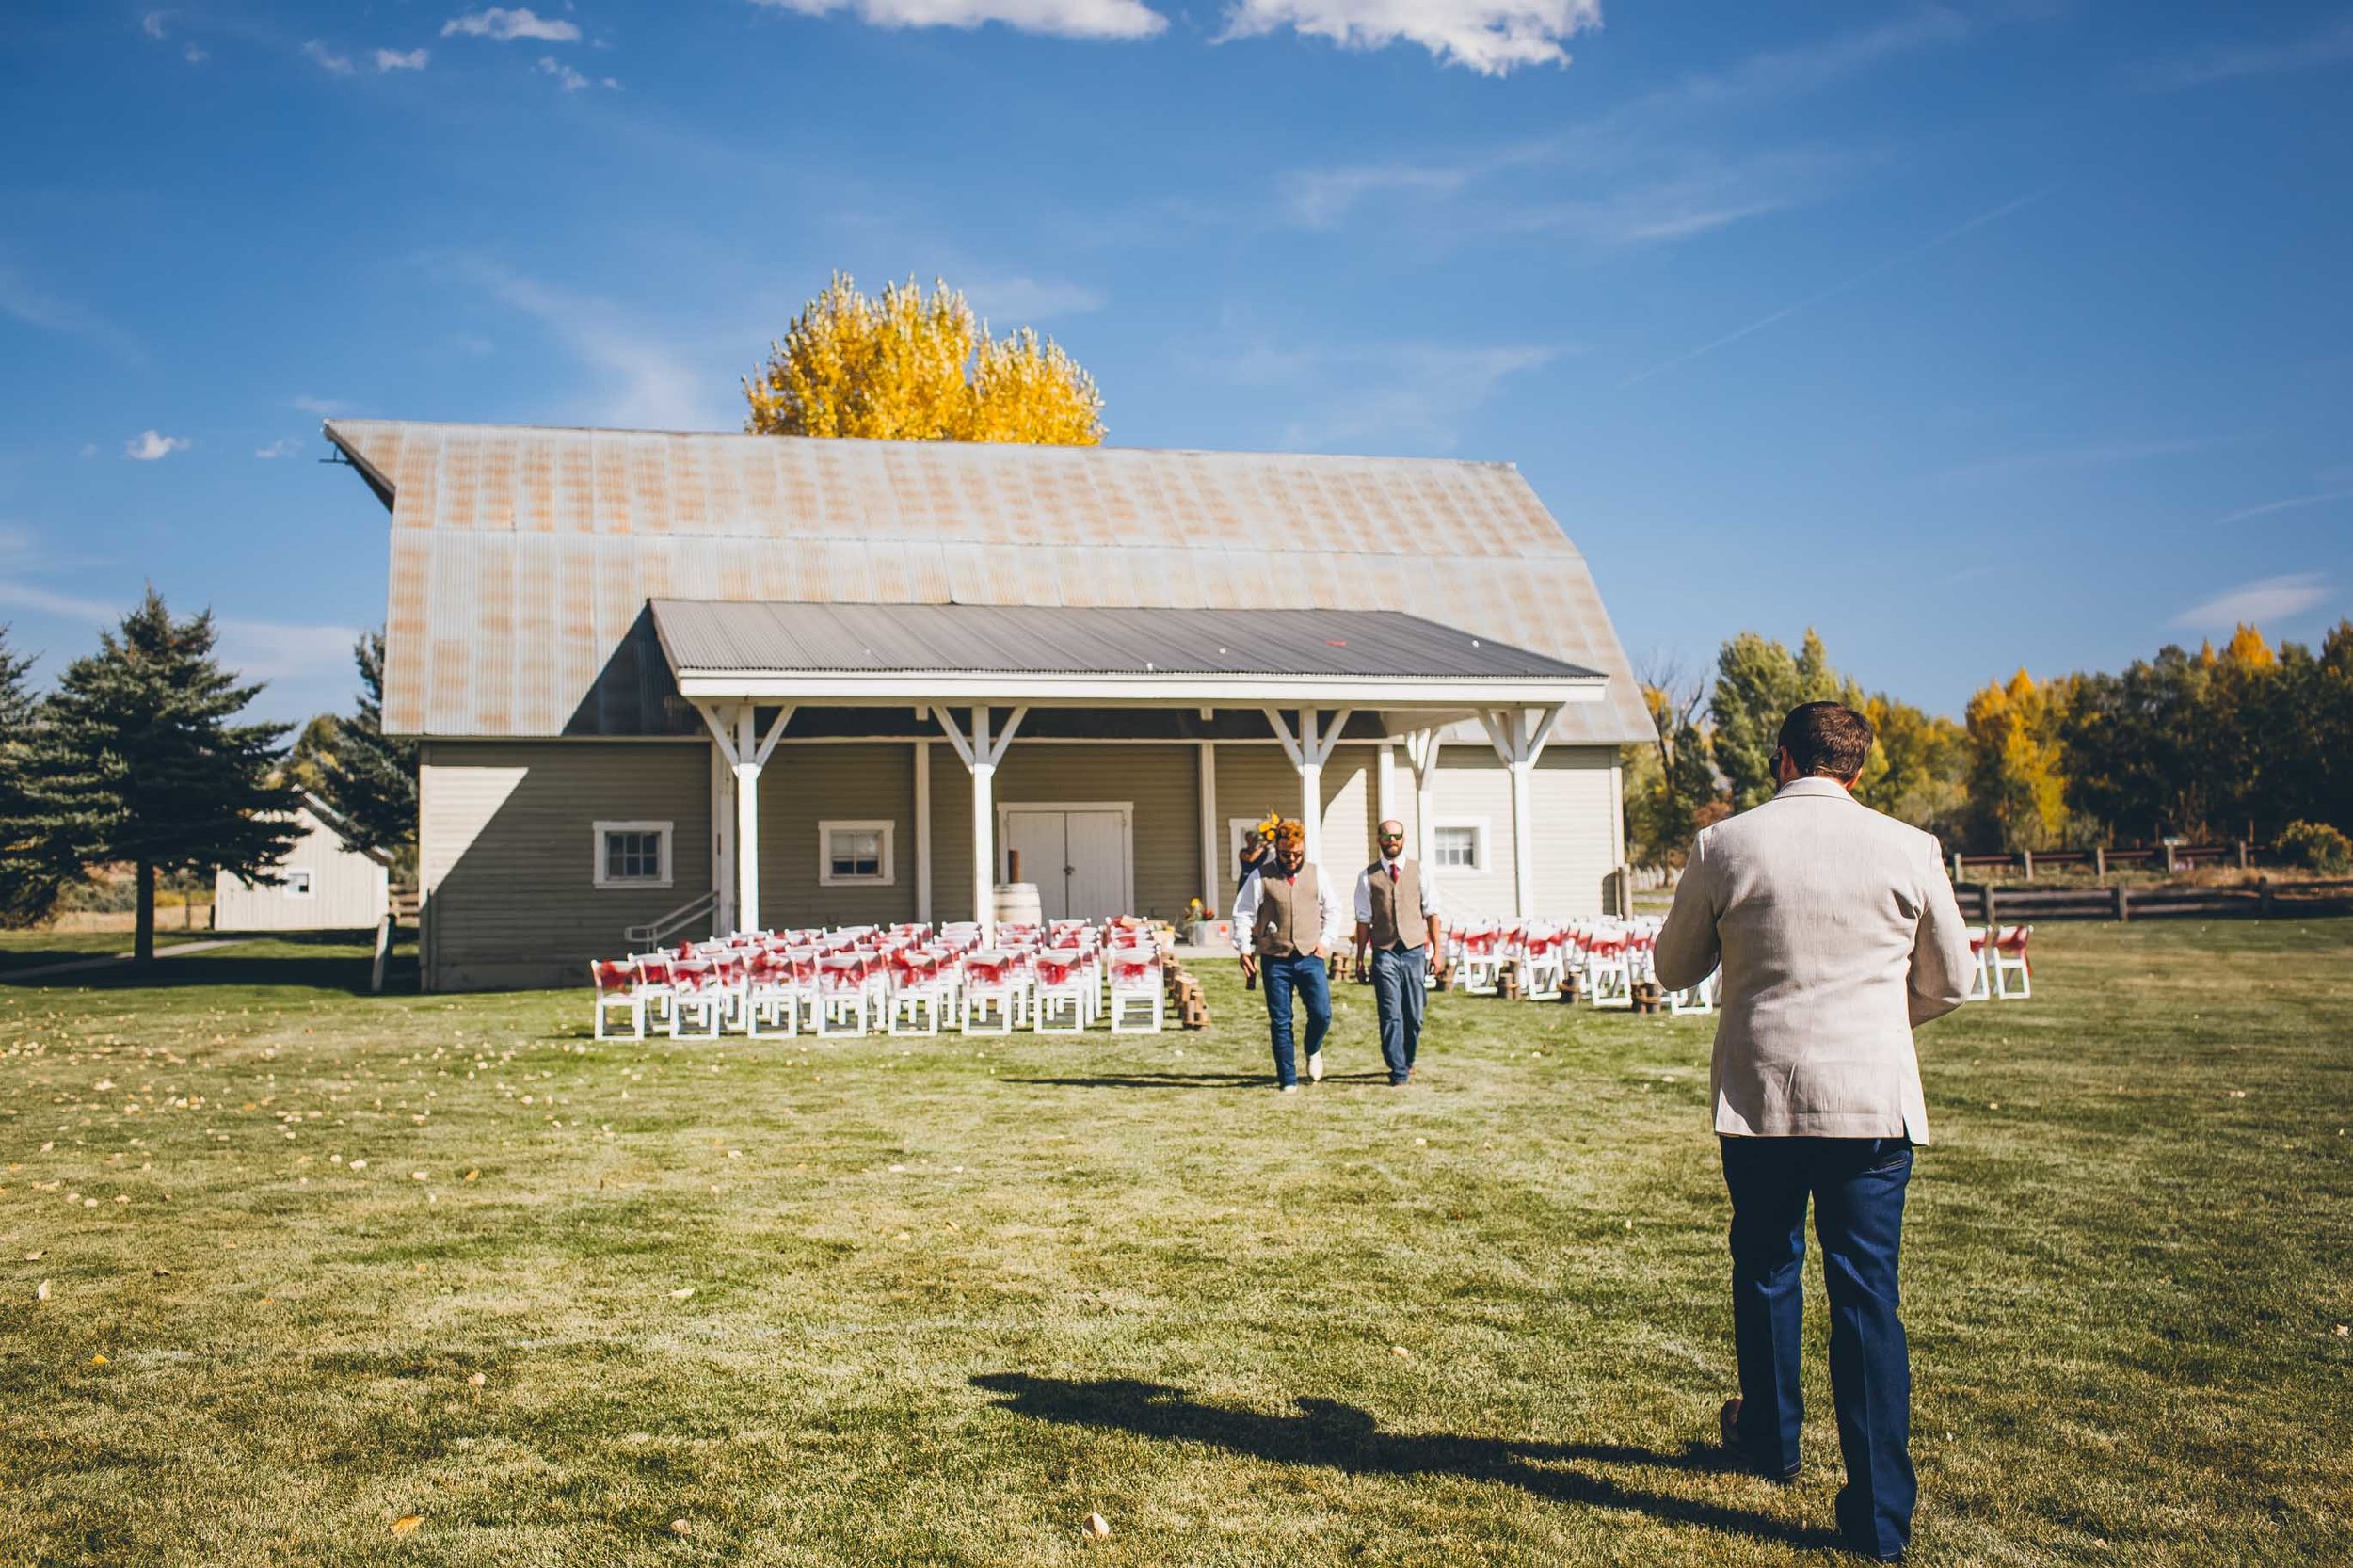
point(1838, 933)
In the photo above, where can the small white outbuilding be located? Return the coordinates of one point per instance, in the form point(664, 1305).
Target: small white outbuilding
point(329, 882)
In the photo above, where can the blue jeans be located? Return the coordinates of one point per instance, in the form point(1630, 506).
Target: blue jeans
point(1282, 976)
point(1857, 1185)
point(1398, 997)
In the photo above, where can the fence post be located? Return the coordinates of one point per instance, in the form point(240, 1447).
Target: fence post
point(2245, 855)
point(2100, 863)
point(2170, 863)
point(2123, 910)
point(2026, 858)
point(1985, 907)
point(2263, 896)
point(383, 951)
point(1957, 878)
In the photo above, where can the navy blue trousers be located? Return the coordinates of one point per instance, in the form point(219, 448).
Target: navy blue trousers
point(1398, 997)
point(1857, 1187)
point(1304, 974)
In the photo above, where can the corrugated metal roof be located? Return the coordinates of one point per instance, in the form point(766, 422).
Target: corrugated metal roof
point(522, 559)
point(721, 637)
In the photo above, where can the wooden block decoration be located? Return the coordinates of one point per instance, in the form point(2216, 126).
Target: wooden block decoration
point(1508, 983)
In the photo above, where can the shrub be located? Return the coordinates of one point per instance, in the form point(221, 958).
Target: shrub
point(2316, 846)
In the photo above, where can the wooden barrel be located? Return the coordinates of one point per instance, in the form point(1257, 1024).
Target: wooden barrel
point(1016, 903)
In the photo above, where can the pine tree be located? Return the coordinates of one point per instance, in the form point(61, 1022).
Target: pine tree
point(135, 760)
point(29, 883)
point(370, 778)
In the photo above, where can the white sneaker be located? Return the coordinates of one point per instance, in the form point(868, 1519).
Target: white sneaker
point(1287, 1088)
point(1315, 1066)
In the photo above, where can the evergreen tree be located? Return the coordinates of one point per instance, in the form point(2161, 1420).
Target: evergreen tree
point(137, 761)
point(28, 883)
point(1758, 682)
point(369, 777)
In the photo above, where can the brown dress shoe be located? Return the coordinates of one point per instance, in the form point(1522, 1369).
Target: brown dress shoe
point(1728, 1422)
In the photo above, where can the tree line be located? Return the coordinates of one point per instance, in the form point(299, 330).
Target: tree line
point(134, 759)
point(2249, 740)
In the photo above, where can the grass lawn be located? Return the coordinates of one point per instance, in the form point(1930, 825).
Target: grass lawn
point(320, 1262)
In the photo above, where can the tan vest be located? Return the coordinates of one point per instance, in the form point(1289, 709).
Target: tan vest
point(1286, 911)
point(1397, 917)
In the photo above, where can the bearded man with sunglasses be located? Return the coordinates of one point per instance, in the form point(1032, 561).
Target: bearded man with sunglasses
point(1397, 917)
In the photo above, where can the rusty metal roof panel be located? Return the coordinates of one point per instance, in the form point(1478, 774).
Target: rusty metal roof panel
point(477, 646)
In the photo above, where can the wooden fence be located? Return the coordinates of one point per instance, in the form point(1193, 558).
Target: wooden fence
point(1991, 906)
point(2167, 858)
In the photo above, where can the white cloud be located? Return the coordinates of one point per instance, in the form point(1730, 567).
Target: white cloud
point(327, 59)
point(23, 596)
point(569, 79)
point(325, 408)
point(273, 650)
point(2331, 45)
point(1394, 396)
point(502, 24)
point(2020, 465)
point(1007, 302)
point(2294, 503)
point(392, 59)
point(2267, 598)
point(1087, 19)
point(36, 306)
point(151, 447)
point(1492, 37)
point(285, 446)
point(194, 55)
point(153, 23)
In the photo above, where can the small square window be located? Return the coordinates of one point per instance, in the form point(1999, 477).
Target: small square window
point(632, 855)
point(853, 852)
point(1457, 846)
point(298, 882)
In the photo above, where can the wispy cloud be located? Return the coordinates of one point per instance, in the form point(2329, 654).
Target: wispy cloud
point(327, 59)
point(1490, 37)
point(2331, 44)
point(503, 22)
point(194, 55)
point(646, 384)
point(153, 23)
point(37, 307)
point(1012, 300)
point(393, 60)
point(284, 446)
point(569, 79)
point(2266, 599)
point(2098, 454)
point(276, 650)
point(1081, 19)
point(2292, 503)
point(325, 408)
point(1810, 67)
point(47, 602)
point(1993, 216)
point(1411, 396)
point(152, 446)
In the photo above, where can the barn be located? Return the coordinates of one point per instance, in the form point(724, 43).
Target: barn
point(668, 682)
point(328, 880)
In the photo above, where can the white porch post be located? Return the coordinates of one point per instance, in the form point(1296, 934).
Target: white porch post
point(924, 832)
point(1421, 749)
point(1383, 782)
point(720, 719)
point(1212, 863)
point(739, 751)
point(1518, 736)
point(980, 755)
point(1308, 750)
point(746, 823)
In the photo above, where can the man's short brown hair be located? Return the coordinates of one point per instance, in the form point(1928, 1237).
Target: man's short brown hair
point(1826, 738)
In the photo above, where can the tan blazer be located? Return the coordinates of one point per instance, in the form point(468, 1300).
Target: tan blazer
point(1837, 932)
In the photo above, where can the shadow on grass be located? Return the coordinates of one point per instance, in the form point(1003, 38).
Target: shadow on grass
point(1197, 1080)
point(1345, 1438)
point(313, 960)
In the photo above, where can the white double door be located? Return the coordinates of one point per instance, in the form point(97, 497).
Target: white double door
point(1079, 856)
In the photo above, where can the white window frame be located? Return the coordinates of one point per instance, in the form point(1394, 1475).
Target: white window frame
point(1481, 839)
point(310, 887)
point(1238, 831)
point(597, 864)
point(885, 828)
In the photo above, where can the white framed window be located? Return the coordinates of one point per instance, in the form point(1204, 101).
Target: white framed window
point(632, 855)
point(1238, 831)
point(854, 854)
point(1458, 844)
point(299, 883)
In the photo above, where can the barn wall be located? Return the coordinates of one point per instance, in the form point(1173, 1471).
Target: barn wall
point(349, 892)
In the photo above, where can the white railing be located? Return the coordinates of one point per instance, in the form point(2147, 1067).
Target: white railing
point(659, 931)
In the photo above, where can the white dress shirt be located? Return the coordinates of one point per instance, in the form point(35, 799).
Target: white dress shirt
point(1363, 891)
point(1327, 914)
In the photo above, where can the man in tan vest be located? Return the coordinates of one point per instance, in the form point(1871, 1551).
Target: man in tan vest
point(1397, 916)
point(1286, 923)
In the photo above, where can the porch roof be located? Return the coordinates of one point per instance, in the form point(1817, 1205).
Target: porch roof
point(865, 652)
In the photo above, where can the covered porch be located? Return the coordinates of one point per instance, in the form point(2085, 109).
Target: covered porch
point(968, 689)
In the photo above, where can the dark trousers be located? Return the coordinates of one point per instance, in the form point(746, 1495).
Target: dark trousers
point(1857, 1185)
point(1305, 974)
point(1398, 997)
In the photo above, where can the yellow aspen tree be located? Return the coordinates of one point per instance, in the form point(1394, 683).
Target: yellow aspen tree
point(912, 366)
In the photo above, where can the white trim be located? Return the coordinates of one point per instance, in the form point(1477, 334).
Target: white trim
point(310, 887)
point(886, 830)
point(924, 831)
point(1127, 810)
point(906, 688)
point(1481, 838)
point(595, 840)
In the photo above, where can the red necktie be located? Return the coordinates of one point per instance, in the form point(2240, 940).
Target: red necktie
point(1392, 871)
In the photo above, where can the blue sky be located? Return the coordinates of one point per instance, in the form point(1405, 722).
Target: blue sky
point(1976, 335)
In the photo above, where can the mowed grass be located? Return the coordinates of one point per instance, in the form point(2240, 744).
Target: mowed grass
point(936, 1301)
